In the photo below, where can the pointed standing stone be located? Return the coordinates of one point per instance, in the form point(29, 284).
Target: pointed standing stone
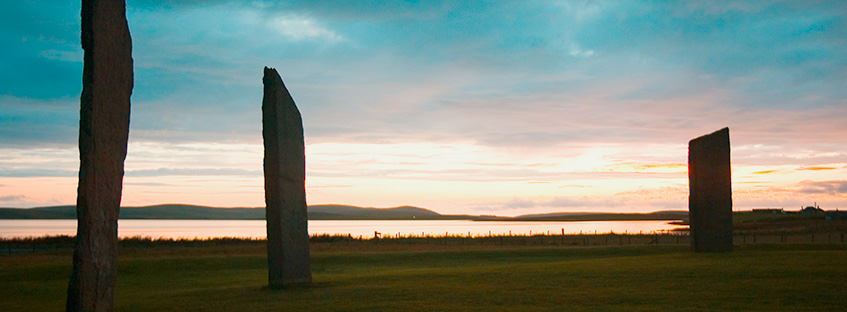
point(285, 190)
point(710, 200)
point(103, 133)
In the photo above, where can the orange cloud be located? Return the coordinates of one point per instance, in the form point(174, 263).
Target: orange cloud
point(817, 168)
point(645, 168)
point(764, 172)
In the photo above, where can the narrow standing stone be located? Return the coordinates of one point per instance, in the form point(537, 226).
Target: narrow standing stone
point(103, 133)
point(285, 189)
point(710, 200)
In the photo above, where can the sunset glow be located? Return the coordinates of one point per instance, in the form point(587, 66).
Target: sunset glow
point(505, 109)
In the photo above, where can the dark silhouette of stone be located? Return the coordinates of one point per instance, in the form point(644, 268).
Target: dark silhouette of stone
point(103, 133)
point(710, 200)
point(285, 189)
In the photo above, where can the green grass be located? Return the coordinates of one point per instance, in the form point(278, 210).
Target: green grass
point(764, 277)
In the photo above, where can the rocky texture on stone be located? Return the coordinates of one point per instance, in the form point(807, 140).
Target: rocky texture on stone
point(710, 200)
point(107, 80)
point(285, 190)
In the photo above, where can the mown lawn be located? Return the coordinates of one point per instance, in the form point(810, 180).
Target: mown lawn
point(626, 278)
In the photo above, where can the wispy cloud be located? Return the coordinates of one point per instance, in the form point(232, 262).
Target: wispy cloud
point(302, 28)
point(814, 168)
point(13, 198)
point(38, 123)
point(20, 173)
point(147, 184)
point(192, 172)
point(824, 187)
point(577, 204)
point(603, 95)
point(644, 168)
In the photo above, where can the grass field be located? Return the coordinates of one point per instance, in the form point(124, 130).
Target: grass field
point(765, 277)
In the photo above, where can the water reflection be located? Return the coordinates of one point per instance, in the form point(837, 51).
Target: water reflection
point(364, 228)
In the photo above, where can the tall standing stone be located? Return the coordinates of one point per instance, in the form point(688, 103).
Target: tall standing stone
point(285, 186)
point(103, 133)
point(710, 200)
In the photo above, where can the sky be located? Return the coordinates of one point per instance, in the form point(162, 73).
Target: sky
point(489, 107)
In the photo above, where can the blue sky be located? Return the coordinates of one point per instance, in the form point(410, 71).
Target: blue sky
point(504, 107)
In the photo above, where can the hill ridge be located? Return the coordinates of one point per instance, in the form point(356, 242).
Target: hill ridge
point(325, 212)
point(199, 212)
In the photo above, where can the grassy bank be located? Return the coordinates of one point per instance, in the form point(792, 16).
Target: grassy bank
point(766, 277)
point(345, 243)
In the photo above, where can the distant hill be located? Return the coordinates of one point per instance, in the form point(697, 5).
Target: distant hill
point(341, 212)
point(192, 212)
point(589, 216)
point(324, 212)
point(54, 212)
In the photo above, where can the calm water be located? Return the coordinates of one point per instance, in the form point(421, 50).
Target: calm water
point(365, 228)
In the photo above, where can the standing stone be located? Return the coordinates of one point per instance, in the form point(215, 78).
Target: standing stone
point(285, 186)
point(710, 200)
point(103, 133)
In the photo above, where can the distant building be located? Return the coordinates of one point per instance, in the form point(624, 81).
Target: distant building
point(811, 210)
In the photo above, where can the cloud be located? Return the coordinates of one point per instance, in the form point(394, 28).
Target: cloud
point(34, 123)
point(368, 10)
point(155, 184)
point(477, 66)
point(328, 186)
point(575, 51)
point(192, 172)
point(564, 202)
point(345, 10)
point(13, 198)
point(644, 168)
point(40, 50)
point(22, 173)
point(765, 172)
point(816, 168)
point(838, 188)
point(518, 204)
point(619, 87)
point(580, 204)
point(302, 28)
